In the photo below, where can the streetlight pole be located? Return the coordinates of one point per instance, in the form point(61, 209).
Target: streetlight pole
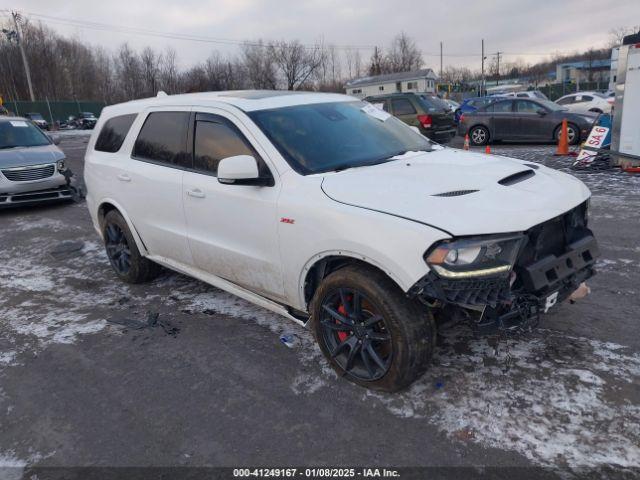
point(16, 17)
point(482, 78)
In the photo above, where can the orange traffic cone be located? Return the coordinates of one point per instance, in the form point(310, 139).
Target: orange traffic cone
point(487, 149)
point(563, 141)
point(466, 142)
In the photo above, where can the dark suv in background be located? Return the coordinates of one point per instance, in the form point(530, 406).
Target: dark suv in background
point(431, 115)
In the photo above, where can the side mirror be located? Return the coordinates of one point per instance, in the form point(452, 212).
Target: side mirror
point(55, 139)
point(542, 112)
point(241, 170)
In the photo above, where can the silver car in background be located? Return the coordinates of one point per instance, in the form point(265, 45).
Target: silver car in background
point(32, 168)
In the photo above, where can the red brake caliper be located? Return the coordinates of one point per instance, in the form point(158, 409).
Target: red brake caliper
point(342, 311)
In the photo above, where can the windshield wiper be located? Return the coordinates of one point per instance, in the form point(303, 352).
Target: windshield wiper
point(2, 147)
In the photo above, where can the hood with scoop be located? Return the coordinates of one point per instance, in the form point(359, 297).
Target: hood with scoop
point(459, 192)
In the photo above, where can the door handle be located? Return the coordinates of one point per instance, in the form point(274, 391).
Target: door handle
point(123, 177)
point(196, 193)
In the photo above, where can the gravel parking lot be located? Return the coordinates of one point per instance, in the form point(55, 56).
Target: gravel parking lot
point(209, 383)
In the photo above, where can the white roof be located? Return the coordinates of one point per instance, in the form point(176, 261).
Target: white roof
point(247, 100)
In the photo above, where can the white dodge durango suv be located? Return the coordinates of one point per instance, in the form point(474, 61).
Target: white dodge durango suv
point(335, 214)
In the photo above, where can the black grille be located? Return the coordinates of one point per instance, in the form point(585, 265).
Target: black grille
point(553, 236)
point(25, 174)
point(480, 291)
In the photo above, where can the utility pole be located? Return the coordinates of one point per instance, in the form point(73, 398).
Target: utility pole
point(498, 53)
point(16, 17)
point(441, 61)
point(482, 77)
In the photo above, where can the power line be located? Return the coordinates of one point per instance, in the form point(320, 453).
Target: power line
point(86, 24)
point(174, 36)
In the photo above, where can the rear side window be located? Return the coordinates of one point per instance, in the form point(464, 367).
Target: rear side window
point(402, 106)
point(215, 140)
point(434, 103)
point(523, 106)
point(163, 139)
point(114, 132)
point(500, 107)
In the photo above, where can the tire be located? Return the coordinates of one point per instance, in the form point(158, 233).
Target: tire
point(125, 258)
point(400, 331)
point(576, 133)
point(479, 136)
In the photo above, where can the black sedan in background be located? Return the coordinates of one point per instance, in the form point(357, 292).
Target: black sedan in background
point(523, 120)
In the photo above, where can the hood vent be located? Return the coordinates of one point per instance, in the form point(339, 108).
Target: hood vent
point(517, 178)
point(454, 193)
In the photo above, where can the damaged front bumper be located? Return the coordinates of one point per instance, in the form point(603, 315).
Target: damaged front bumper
point(556, 259)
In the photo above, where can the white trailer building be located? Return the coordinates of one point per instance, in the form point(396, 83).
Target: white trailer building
point(416, 81)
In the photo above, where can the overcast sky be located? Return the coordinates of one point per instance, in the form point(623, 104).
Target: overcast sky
point(516, 27)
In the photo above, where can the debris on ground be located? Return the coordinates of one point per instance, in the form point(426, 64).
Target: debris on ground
point(67, 248)
point(288, 339)
point(152, 321)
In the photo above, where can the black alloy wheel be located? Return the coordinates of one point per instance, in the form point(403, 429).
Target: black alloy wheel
point(118, 249)
point(356, 334)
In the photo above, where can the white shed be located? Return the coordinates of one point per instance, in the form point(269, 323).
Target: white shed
point(417, 81)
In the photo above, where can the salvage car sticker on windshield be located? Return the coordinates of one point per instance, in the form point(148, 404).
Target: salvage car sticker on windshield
point(19, 123)
point(375, 112)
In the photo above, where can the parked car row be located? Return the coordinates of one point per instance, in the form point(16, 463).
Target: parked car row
point(82, 121)
point(520, 116)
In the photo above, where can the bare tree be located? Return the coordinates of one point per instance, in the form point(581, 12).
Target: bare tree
point(259, 65)
point(296, 62)
point(169, 78)
point(616, 35)
point(378, 62)
point(404, 55)
point(150, 66)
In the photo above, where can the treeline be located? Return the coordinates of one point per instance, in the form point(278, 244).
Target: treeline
point(66, 68)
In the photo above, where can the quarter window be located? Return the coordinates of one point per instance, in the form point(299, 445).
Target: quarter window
point(114, 132)
point(163, 139)
point(217, 140)
point(402, 106)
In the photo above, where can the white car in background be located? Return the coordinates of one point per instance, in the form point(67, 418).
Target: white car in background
point(535, 94)
point(584, 102)
point(335, 214)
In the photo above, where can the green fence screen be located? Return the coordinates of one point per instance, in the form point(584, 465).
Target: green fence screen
point(54, 111)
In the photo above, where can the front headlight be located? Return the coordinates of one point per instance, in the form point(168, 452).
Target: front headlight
point(61, 166)
point(474, 256)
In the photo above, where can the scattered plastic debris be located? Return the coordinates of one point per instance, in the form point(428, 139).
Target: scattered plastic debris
point(152, 321)
point(67, 248)
point(288, 340)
